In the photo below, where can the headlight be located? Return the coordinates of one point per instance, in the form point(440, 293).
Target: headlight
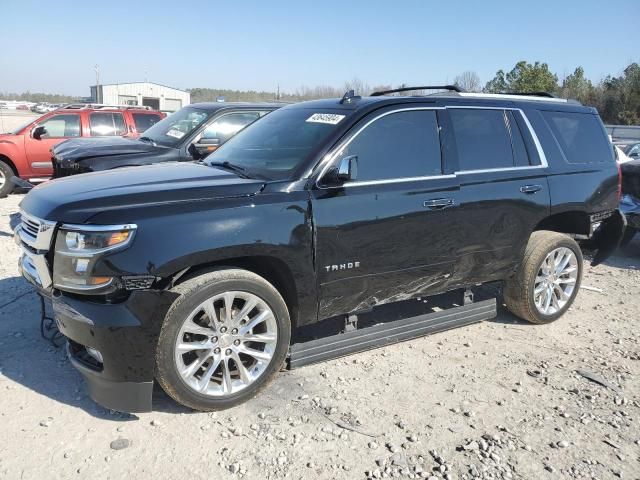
point(79, 247)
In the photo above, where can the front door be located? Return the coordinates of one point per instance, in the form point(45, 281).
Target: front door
point(59, 127)
point(384, 236)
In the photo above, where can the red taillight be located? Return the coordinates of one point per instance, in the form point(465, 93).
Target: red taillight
point(619, 181)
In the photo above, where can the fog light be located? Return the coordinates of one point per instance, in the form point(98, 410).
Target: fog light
point(95, 354)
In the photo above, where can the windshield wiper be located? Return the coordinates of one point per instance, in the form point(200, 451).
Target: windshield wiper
point(241, 171)
point(148, 140)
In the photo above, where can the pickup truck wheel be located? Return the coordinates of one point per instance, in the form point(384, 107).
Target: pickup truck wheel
point(547, 281)
point(6, 185)
point(222, 339)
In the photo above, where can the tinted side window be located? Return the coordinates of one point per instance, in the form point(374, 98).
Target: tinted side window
point(62, 126)
point(580, 136)
point(144, 121)
point(228, 125)
point(520, 154)
point(106, 124)
point(398, 145)
point(482, 139)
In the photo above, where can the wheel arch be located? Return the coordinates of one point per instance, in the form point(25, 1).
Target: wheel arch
point(571, 221)
point(274, 270)
point(8, 161)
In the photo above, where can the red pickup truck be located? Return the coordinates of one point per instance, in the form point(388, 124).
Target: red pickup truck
point(26, 152)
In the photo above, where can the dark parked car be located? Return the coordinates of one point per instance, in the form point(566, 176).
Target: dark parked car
point(188, 134)
point(198, 275)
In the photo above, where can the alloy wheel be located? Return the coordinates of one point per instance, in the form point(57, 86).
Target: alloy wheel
point(555, 281)
point(226, 343)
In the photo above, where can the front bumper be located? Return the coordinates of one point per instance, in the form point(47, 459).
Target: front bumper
point(125, 334)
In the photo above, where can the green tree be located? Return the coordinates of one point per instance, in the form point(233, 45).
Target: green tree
point(577, 86)
point(524, 77)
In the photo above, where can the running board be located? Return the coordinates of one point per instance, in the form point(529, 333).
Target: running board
point(382, 334)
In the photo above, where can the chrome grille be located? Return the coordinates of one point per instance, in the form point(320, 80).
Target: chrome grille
point(30, 227)
point(35, 232)
point(35, 236)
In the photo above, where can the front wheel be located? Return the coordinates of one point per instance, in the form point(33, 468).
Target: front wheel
point(6, 174)
point(548, 279)
point(222, 340)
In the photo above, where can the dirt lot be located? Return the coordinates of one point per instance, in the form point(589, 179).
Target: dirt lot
point(501, 399)
point(12, 119)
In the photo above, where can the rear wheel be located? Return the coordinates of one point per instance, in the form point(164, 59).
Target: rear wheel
point(547, 281)
point(222, 340)
point(6, 174)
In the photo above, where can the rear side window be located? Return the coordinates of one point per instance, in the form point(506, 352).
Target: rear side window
point(482, 139)
point(580, 136)
point(106, 124)
point(398, 145)
point(520, 154)
point(144, 121)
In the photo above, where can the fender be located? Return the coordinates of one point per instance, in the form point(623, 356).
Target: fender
point(170, 239)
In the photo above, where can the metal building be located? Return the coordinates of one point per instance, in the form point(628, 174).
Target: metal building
point(158, 97)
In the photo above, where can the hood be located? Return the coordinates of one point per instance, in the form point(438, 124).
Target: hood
point(70, 151)
point(78, 198)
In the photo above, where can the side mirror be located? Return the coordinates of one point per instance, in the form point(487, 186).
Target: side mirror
point(205, 146)
point(347, 170)
point(39, 132)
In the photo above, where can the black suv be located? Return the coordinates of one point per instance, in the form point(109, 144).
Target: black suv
point(209, 277)
point(189, 134)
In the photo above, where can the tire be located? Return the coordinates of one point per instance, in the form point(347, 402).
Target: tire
point(217, 383)
point(628, 235)
point(6, 174)
point(519, 295)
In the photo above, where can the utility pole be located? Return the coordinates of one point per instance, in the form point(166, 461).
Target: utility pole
point(278, 93)
point(97, 69)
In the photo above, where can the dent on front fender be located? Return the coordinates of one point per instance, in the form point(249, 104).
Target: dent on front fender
point(607, 238)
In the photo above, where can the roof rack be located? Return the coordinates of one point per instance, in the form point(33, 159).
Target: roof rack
point(530, 94)
point(533, 97)
point(452, 88)
point(101, 106)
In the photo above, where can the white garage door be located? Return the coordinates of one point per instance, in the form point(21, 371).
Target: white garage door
point(172, 104)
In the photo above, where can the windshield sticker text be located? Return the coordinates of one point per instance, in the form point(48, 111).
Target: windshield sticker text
point(330, 118)
point(175, 133)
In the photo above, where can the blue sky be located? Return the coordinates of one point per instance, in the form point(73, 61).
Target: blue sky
point(53, 46)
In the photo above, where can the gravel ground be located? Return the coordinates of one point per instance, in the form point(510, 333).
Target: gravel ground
point(501, 399)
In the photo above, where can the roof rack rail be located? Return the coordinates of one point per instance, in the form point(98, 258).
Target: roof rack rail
point(452, 88)
point(100, 106)
point(532, 97)
point(530, 94)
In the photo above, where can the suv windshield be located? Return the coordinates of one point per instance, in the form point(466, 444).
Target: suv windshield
point(169, 131)
point(279, 143)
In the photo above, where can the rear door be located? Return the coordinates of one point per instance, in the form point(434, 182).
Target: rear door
point(503, 190)
point(59, 127)
point(107, 124)
point(387, 235)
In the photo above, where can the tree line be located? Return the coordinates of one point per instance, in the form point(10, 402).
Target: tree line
point(617, 98)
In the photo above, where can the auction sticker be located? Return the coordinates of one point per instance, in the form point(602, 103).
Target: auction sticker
point(330, 118)
point(175, 133)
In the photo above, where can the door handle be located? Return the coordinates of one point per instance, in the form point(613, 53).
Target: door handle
point(438, 203)
point(530, 188)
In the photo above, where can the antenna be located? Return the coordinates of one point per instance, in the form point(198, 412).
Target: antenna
point(349, 96)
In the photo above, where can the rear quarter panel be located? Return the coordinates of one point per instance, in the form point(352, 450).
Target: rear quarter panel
point(589, 188)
